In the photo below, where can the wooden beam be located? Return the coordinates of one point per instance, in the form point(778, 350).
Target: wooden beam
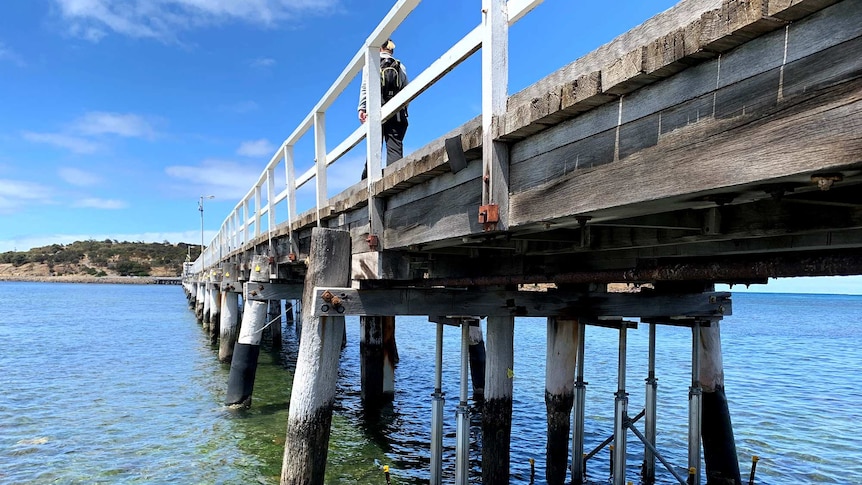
point(273, 291)
point(819, 133)
point(501, 303)
point(734, 268)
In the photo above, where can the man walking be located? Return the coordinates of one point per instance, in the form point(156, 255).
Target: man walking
point(393, 77)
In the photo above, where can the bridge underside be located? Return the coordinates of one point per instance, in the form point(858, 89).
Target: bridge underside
point(731, 154)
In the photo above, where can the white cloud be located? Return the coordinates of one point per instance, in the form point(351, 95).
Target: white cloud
point(225, 179)
point(263, 62)
point(85, 134)
point(73, 143)
point(15, 194)
point(78, 177)
point(256, 148)
point(7, 54)
point(163, 19)
point(120, 124)
point(96, 203)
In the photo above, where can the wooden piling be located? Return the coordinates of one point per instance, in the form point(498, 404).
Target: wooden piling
point(559, 394)
point(207, 310)
point(247, 349)
point(390, 357)
point(215, 309)
point(497, 408)
point(314, 383)
point(229, 315)
point(719, 447)
point(288, 312)
point(199, 300)
point(273, 319)
point(371, 361)
point(477, 360)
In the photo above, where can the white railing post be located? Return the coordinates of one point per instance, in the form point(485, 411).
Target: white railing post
point(320, 161)
point(270, 206)
point(374, 133)
point(374, 136)
point(245, 221)
point(495, 86)
point(256, 210)
point(290, 182)
point(235, 228)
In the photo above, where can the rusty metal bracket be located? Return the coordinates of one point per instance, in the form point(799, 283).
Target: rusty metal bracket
point(489, 216)
point(373, 242)
point(332, 302)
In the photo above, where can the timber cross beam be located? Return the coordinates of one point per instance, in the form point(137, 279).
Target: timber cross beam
point(503, 303)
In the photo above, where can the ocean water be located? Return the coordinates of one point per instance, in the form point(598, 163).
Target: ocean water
point(118, 384)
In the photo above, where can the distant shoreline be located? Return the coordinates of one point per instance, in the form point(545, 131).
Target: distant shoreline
point(122, 280)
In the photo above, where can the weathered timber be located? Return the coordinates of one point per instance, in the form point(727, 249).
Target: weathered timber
point(229, 312)
point(243, 366)
point(273, 321)
point(313, 392)
point(265, 291)
point(477, 360)
point(747, 226)
point(719, 446)
point(497, 407)
point(673, 19)
point(820, 132)
point(560, 363)
point(200, 297)
point(228, 325)
point(441, 214)
point(683, 99)
point(504, 303)
point(215, 297)
point(796, 9)
point(207, 309)
point(372, 362)
point(727, 269)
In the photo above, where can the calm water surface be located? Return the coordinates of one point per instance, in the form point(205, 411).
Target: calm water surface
point(118, 384)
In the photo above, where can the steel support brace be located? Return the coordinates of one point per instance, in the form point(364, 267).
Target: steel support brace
point(462, 430)
point(655, 453)
point(695, 396)
point(438, 401)
point(620, 415)
point(580, 406)
point(648, 473)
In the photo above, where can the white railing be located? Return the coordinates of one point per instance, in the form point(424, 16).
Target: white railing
point(245, 221)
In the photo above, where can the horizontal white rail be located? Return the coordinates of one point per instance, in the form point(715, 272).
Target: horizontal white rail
point(250, 212)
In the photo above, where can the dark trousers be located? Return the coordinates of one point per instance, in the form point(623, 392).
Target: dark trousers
point(394, 130)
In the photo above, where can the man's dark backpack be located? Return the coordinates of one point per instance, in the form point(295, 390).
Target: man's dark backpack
point(390, 78)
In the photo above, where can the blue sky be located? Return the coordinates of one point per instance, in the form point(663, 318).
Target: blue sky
point(117, 115)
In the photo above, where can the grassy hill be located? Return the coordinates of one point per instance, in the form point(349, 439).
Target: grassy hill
point(98, 259)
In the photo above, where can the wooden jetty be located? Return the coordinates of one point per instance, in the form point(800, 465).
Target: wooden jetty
point(718, 142)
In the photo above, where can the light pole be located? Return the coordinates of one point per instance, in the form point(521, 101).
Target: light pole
point(201, 208)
